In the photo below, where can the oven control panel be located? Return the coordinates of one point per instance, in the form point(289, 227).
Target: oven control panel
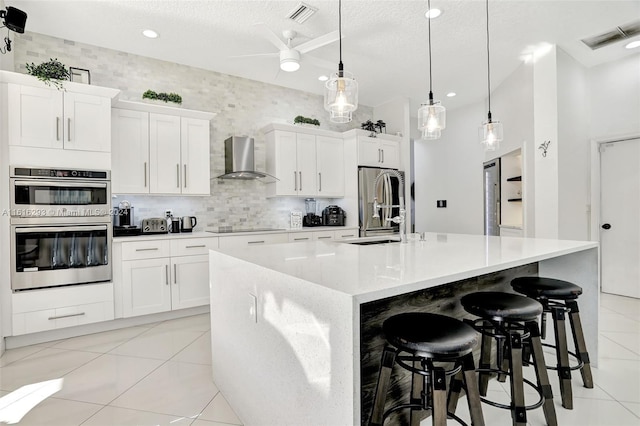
point(154, 225)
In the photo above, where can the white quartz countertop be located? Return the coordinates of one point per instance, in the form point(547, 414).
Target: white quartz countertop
point(370, 272)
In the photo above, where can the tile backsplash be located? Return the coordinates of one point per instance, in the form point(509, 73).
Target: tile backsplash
point(243, 107)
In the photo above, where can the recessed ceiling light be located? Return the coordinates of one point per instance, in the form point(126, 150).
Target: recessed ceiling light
point(323, 78)
point(432, 13)
point(633, 44)
point(150, 34)
point(451, 94)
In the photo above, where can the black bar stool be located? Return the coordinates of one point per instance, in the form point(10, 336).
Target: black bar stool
point(510, 319)
point(419, 340)
point(560, 298)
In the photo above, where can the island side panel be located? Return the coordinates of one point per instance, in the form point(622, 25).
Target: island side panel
point(581, 268)
point(282, 348)
point(444, 299)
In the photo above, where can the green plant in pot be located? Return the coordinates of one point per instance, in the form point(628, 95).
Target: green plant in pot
point(165, 97)
point(304, 120)
point(51, 73)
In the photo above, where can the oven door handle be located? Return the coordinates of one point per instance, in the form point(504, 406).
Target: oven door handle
point(61, 184)
point(31, 229)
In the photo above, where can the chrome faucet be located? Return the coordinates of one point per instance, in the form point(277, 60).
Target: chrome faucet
point(401, 218)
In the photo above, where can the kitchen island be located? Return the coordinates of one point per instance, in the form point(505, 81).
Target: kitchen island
point(295, 328)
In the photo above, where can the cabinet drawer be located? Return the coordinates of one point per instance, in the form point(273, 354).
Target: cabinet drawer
point(323, 235)
point(296, 237)
point(345, 233)
point(192, 246)
point(50, 319)
point(251, 240)
point(146, 249)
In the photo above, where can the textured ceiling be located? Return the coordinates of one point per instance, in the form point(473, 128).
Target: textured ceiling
point(384, 44)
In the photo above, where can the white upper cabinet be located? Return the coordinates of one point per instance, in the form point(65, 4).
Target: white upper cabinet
point(378, 152)
point(47, 118)
point(130, 152)
point(157, 153)
point(306, 164)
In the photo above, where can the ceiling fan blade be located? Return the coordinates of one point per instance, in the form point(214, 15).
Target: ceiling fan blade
point(318, 42)
point(320, 63)
point(257, 55)
point(272, 37)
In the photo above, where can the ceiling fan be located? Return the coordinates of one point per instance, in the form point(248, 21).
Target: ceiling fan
point(290, 55)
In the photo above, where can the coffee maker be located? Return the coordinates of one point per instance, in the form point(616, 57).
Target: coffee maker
point(123, 220)
point(311, 218)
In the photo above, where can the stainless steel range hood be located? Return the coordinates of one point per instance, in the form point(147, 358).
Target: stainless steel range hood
point(239, 160)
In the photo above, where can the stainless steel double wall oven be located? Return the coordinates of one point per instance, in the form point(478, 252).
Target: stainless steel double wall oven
point(60, 227)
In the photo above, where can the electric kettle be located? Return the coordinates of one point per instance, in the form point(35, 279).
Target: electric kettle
point(188, 223)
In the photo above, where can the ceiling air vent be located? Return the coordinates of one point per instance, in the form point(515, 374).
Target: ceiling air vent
point(301, 13)
point(619, 33)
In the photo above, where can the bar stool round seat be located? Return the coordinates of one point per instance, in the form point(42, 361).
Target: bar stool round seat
point(500, 306)
point(550, 288)
point(418, 342)
point(560, 299)
point(430, 335)
point(511, 321)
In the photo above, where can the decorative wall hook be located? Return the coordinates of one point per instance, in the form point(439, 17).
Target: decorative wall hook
point(544, 146)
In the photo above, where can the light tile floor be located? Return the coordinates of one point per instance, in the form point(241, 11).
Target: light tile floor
point(160, 374)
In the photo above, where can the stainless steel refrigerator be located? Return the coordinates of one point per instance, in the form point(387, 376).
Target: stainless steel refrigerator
point(386, 193)
point(492, 197)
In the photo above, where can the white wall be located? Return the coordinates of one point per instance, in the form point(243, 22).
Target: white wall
point(573, 148)
point(614, 94)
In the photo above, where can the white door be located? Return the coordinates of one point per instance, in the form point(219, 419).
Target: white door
point(35, 117)
point(195, 156)
point(330, 161)
point(146, 287)
point(286, 169)
point(620, 217)
point(130, 152)
point(306, 160)
point(164, 154)
point(190, 281)
point(87, 122)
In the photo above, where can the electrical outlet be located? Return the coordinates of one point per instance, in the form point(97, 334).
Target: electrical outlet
point(168, 213)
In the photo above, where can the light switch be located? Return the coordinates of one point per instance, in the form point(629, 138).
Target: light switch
point(441, 204)
point(253, 307)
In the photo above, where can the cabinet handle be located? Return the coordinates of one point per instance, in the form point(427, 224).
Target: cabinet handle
point(68, 130)
point(175, 273)
point(145, 174)
point(256, 242)
point(382, 151)
point(295, 181)
point(178, 175)
point(300, 173)
point(166, 274)
point(324, 238)
point(347, 235)
point(301, 239)
point(198, 246)
point(319, 182)
point(66, 316)
point(147, 249)
point(57, 128)
point(185, 175)
point(379, 157)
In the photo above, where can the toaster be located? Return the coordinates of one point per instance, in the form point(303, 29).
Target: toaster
point(154, 225)
point(333, 216)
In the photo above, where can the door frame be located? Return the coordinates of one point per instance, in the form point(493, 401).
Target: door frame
point(596, 193)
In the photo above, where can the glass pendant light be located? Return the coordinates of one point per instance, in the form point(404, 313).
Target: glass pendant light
point(341, 90)
point(432, 117)
point(491, 130)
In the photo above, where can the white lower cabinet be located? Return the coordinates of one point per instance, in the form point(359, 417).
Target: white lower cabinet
point(237, 241)
point(164, 275)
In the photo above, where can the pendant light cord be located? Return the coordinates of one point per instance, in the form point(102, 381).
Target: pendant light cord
point(488, 63)
point(340, 66)
point(430, 74)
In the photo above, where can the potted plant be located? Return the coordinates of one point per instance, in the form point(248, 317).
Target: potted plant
point(165, 97)
point(51, 72)
point(304, 120)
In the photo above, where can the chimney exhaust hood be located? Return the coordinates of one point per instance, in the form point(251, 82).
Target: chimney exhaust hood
point(239, 160)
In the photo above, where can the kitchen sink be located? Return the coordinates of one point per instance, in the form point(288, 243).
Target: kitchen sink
point(371, 242)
